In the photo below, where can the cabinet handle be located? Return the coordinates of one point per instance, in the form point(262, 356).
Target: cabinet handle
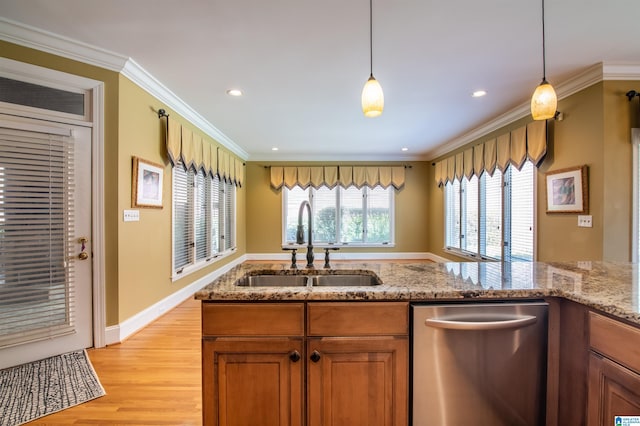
point(294, 356)
point(315, 356)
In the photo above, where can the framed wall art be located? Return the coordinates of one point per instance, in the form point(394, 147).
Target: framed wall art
point(146, 184)
point(568, 190)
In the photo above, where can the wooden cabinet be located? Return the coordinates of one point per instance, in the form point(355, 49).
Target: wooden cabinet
point(614, 370)
point(252, 364)
point(358, 364)
point(255, 357)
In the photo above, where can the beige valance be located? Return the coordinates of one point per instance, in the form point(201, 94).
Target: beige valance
point(526, 143)
point(198, 153)
point(330, 176)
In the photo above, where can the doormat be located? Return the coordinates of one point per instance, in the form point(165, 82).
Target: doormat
point(40, 388)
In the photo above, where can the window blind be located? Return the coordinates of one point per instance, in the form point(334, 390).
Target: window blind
point(491, 227)
point(37, 282)
point(351, 215)
point(229, 216)
point(521, 247)
point(182, 217)
point(471, 217)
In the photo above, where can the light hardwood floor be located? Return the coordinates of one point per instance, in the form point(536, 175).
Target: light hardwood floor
point(153, 378)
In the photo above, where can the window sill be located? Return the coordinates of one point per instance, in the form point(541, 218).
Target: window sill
point(188, 270)
point(323, 246)
point(473, 256)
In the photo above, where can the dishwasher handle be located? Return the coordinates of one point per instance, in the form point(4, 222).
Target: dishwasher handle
point(448, 324)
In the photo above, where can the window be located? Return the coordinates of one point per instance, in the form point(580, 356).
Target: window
point(492, 217)
point(341, 215)
point(203, 219)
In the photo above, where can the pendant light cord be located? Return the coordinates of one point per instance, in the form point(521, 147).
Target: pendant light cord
point(371, 37)
point(544, 55)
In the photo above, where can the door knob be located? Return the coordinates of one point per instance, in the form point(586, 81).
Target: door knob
point(315, 356)
point(83, 254)
point(294, 356)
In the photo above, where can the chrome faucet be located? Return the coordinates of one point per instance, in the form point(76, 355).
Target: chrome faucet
point(300, 233)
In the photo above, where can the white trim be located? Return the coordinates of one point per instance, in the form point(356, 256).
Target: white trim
point(594, 74)
point(35, 38)
point(98, 216)
point(153, 86)
point(285, 256)
point(118, 333)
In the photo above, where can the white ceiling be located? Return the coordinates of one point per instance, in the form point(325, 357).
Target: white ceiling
point(302, 64)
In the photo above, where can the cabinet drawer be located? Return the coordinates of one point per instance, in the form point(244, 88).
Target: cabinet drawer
point(357, 319)
point(618, 341)
point(253, 319)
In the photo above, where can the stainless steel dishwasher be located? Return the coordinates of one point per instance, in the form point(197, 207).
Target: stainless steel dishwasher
point(479, 364)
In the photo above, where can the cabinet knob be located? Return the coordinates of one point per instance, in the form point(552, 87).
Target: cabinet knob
point(294, 356)
point(315, 356)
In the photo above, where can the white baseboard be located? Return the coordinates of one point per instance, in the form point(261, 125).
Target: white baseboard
point(118, 333)
point(284, 256)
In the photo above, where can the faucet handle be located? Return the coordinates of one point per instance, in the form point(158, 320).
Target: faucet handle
point(293, 256)
point(326, 256)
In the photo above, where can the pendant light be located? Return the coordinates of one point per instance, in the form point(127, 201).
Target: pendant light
point(372, 96)
point(544, 101)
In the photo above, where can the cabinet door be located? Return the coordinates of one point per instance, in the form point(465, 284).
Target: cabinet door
point(252, 382)
point(613, 391)
point(357, 381)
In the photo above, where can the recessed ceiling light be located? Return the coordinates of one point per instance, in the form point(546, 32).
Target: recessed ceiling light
point(479, 93)
point(404, 148)
point(275, 148)
point(234, 92)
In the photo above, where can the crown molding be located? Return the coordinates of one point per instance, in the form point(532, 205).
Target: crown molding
point(588, 77)
point(44, 41)
point(138, 75)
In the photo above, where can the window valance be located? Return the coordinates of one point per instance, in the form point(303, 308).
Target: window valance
point(198, 153)
point(514, 148)
point(330, 176)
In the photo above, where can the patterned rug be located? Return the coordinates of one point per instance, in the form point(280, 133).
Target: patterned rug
point(40, 388)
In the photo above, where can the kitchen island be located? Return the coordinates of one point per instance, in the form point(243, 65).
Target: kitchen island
point(327, 342)
point(611, 287)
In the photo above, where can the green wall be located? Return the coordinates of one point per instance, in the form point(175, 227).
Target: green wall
point(264, 210)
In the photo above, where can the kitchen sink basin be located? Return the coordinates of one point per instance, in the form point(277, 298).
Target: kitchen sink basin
point(273, 281)
point(346, 280)
point(304, 280)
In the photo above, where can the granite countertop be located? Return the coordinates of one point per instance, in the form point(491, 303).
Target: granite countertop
point(611, 287)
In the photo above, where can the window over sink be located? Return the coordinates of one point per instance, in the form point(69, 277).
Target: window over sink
point(342, 216)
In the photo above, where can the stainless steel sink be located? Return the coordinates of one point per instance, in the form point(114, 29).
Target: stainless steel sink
point(311, 280)
point(273, 281)
point(345, 280)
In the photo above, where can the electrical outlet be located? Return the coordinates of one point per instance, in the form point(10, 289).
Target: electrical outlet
point(585, 221)
point(131, 215)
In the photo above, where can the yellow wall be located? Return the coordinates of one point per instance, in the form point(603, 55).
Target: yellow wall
point(264, 211)
point(144, 255)
point(137, 254)
point(596, 132)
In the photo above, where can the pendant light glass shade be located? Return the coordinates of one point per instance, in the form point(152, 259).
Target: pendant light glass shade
point(372, 98)
point(544, 102)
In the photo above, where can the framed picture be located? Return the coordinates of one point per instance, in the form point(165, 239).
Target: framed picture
point(146, 184)
point(568, 190)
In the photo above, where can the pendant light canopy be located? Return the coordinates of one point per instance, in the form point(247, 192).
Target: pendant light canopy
point(544, 101)
point(372, 96)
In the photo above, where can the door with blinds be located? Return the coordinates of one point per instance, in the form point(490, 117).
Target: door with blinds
point(45, 241)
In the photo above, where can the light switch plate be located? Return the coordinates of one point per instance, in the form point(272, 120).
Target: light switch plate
point(585, 221)
point(131, 215)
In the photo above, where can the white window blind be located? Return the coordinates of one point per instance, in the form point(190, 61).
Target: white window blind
point(204, 221)
point(36, 236)
point(342, 216)
point(492, 217)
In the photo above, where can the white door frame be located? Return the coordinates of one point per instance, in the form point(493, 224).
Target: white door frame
point(57, 79)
